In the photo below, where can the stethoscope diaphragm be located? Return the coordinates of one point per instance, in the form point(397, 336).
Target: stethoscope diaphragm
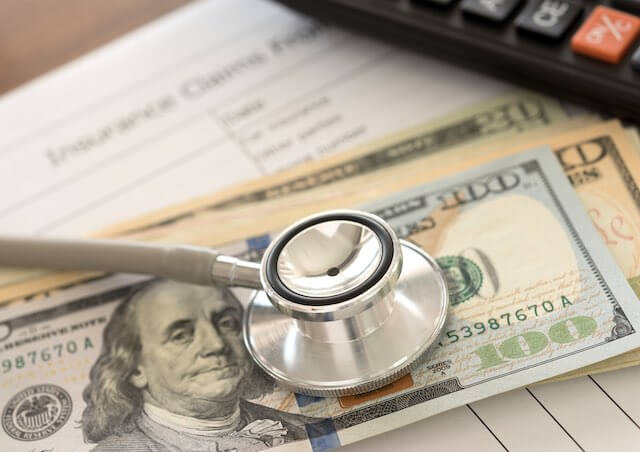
point(346, 306)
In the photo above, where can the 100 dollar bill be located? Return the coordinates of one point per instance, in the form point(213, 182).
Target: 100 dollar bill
point(599, 160)
point(534, 293)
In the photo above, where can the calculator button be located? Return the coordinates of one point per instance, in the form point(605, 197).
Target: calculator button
point(548, 18)
point(606, 35)
point(635, 59)
point(627, 5)
point(493, 10)
point(433, 2)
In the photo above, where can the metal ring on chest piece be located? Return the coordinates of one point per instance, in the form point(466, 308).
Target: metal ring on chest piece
point(346, 306)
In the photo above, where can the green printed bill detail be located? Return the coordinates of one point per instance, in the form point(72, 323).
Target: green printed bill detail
point(537, 295)
point(464, 277)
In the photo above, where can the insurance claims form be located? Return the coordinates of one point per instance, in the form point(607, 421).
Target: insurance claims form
point(222, 91)
point(215, 93)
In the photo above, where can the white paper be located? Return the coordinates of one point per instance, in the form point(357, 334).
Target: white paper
point(215, 93)
point(596, 414)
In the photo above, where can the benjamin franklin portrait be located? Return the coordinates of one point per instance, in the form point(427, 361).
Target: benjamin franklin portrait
point(174, 375)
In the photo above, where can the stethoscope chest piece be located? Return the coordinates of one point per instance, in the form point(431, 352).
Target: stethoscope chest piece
point(342, 306)
point(346, 306)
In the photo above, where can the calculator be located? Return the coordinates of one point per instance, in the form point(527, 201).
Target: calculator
point(584, 51)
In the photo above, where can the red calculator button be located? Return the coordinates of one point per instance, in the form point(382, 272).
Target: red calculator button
point(606, 35)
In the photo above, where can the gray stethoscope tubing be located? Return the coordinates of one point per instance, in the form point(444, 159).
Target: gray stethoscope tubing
point(191, 264)
point(342, 307)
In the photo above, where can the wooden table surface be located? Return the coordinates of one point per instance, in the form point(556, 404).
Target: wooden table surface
point(39, 35)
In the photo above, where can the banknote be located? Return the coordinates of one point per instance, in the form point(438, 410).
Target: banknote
point(505, 116)
point(600, 161)
point(129, 363)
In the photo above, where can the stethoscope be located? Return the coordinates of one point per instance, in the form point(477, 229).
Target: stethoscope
point(342, 305)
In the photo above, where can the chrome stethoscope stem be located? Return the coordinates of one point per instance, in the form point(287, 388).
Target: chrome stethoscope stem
point(236, 272)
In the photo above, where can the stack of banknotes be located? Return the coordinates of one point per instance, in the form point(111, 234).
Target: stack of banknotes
point(533, 216)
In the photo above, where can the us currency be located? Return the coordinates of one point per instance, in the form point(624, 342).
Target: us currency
point(599, 160)
point(128, 363)
point(505, 116)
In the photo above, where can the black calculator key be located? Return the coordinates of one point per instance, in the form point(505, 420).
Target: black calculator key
point(433, 2)
point(493, 10)
point(635, 59)
point(548, 18)
point(633, 6)
point(585, 51)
